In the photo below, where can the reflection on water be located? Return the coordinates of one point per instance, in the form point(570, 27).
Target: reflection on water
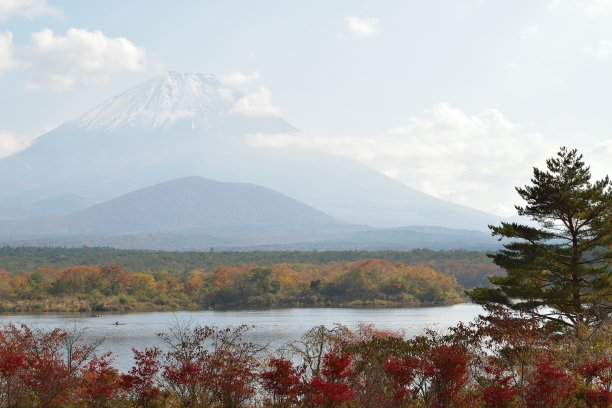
point(275, 327)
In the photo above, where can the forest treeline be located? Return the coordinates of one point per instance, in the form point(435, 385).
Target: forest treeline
point(470, 268)
point(84, 288)
point(501, 360)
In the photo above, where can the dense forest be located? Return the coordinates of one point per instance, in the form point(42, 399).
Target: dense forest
point(470, 268)
point(111, 287)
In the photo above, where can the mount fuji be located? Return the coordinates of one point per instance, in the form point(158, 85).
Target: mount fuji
point(182, 124)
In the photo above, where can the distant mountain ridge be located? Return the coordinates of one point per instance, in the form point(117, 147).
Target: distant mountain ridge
point(178, 125)
point(193, 213)
point(182, 205)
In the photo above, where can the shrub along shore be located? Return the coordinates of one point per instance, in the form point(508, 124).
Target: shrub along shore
point(499, 360)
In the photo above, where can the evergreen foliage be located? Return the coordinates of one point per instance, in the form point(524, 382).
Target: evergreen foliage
point(559, 270)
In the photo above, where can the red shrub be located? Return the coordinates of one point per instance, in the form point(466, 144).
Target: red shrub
point(446, 370)
point(186, 379)
point(232, 377)
point(48, 379)
point(550, 387)
point(283, 381)
point(330, 389)
point(335, 367)
point(403, 371)
point(598, 375)
point(499, 392)
point(10, 362)
point(49, 373)
point(599, 372)
point(140, 382)
point(598, 398)
point(100, 382)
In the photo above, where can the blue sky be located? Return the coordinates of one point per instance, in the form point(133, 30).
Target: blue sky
point(458, 98)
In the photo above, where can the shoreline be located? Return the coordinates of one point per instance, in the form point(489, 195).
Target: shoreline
point(4, 313)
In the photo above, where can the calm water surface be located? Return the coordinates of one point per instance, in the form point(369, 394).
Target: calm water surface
point(274, 326)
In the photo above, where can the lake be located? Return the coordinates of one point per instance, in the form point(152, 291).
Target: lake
point(272, 326)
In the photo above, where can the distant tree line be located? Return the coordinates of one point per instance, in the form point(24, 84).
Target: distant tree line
point(111, 287)
point(470, 268)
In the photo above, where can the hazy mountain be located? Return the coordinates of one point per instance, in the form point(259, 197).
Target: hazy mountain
point(178, 125)
point(186, 205)
point(193, 213)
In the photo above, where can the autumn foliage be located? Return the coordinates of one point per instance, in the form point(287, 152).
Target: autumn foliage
point(86, 288)
point(549, 386)
point(403, 371)
point(501, 360)
point(330, 388)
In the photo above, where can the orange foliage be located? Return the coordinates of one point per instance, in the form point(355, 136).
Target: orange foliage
point(195, 282)
point(141, 282)
point(287, 276)
point(224, 276)
point(78, 278)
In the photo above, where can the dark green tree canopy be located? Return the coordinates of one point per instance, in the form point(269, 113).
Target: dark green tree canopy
point(560, 269)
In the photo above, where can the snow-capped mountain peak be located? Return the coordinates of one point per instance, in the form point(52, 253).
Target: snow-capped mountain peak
point(170, 98)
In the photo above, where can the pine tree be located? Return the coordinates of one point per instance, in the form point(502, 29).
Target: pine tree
point(561, 269)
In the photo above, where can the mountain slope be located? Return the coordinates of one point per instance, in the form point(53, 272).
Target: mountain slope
point(185, 205)
point(178, 125)
point(193, 213)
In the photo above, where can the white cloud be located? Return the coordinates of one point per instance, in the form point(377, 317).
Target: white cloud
point(7, 56)
point(598, 7)
point(473, 159)
point(602, 50)
point(599, 159)
point(363, 27)
point(593, 8)
point(79, 57)
point(529, 32)
point(11, 143)
point(513, 69)
point(27, 8)
point(236, 78)
point(227, 94)
point(257, 103)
